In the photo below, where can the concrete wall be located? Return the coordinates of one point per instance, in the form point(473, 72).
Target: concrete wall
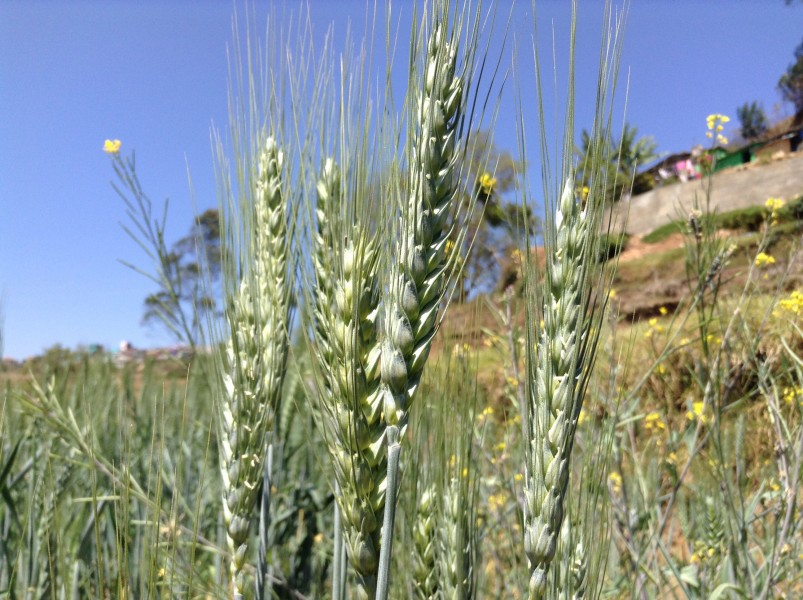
point(739, 187)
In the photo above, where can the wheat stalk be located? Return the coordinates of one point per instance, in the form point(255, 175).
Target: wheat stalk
point(257, 355)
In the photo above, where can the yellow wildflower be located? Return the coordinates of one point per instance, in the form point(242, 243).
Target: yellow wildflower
point(496, 501)
point(774, 204)
point(615, 479)
point(112, 146)
point(763, 259)
point(518, 477)
point(664, 311)
point(698, 412)
point(672, 458)
point(584, 191)
point(655, 327)
point(654, 422)
point(793, 304)
point(487, 183)
point(612, 293)
point(716, 119)
point(790, 395)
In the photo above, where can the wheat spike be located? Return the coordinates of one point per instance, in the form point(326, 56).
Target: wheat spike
point(419, 276)
point(346, 309)
point(257, 354)
point(425, 573)
point(561, 372)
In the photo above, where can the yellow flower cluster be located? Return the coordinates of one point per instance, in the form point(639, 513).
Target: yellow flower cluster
point(773, 204)
point(698, 412)
point(703, 552)
point(716, 123)
point(792, 305)
point(615, 479)
point(486, 412)
point(487, 183)
point(791, 395)
point(653, 422)
point(497, 501)
point(655, 327)
point(112, 146)
point(763, 259)
point(583, 192)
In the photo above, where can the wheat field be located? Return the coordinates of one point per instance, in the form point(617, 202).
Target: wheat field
point(334, 435)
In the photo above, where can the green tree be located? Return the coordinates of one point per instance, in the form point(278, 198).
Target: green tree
point(752, 119)
point(187, 274)
point(791, 83)
point(623, 158)
point(193, 269)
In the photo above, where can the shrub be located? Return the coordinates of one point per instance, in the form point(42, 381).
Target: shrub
point(663, 232)
point(611, 245)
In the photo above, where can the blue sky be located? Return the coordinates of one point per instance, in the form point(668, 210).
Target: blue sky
point(154, 75)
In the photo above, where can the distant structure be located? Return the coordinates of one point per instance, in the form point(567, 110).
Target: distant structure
point(785, 138)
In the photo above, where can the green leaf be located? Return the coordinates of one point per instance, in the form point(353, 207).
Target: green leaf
point(725, 587)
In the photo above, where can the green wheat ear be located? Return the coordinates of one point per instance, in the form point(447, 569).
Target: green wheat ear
point(256, 357)
point(420, 273)
point(346, 344)
point(561, 373)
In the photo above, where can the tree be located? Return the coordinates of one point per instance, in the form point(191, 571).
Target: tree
point(193, 269)
point(187, 274)
point(622, 159)
point(791, 83)
point(752, 119)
